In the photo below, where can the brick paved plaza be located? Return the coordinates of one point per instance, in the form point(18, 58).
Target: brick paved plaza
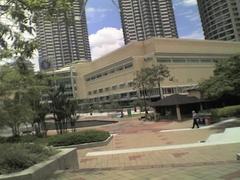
point(132, 154)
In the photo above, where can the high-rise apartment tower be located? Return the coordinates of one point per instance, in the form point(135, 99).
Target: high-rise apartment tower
point(220, 19)
point(143, 19)
point(63, 39)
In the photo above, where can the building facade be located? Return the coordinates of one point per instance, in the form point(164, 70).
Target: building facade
point(111, 77)
point(144, 19)
point(63, 40)
point(220, 19)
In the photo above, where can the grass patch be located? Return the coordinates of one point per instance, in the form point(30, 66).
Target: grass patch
point(19, 156)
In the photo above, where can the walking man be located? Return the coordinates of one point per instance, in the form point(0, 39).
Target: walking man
point(194, 116)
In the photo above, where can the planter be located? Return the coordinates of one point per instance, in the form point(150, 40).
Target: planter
point(89, 145)
point(66, 159)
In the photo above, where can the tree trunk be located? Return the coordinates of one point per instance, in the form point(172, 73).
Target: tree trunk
point(159, 90)
point(144, 101)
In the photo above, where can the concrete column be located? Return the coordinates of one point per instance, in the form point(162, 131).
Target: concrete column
point(201, 106)
point(179, 118)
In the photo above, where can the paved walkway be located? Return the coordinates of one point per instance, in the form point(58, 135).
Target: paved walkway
point(226, 171)
point(213, 162)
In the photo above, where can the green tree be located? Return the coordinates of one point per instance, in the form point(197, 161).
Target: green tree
point(38, 89)
point(142, 82)
point(14, 88)
point(157, 74)
point(21, 90)
point(63, 109)
point(225, 81)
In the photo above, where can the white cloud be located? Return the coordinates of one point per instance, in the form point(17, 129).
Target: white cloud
point(185, 2)
point(105, 40)
point(190, 2)
point(96, 10)
point(194, 35)
point(96, 14)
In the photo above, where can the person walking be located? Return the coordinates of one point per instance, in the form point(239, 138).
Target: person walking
point(194, 116)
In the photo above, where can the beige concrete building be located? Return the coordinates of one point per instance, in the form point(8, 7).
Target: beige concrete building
point(189, 62)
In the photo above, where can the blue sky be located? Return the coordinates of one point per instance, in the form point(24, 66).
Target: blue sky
point(104, 24)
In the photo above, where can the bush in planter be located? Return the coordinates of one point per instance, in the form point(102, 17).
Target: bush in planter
point(21, 139)
point(17, 157)
point(228, 111)
point(82, 137)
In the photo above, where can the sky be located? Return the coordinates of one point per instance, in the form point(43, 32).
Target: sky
point(105, 31)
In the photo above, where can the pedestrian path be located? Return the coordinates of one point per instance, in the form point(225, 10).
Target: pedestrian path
point(137, 152)
point(229, 171)
point(203, 127)
point(230, 136)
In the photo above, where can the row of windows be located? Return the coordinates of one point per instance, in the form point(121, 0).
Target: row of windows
point(114, 87)
point(185, 60)
point(166, 91)
point(149, 93)
point(110, 71)
point(133, 94)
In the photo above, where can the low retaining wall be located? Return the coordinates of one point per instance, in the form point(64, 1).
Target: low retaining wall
point(238, 156)
point(89, 145)
point(66, 159)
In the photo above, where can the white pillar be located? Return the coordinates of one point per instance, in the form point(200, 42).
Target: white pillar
point(179, 118)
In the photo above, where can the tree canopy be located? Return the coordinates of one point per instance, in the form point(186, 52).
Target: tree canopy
point(225, 81)
point(150, 77)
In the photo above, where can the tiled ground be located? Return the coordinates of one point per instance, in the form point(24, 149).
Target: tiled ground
point(165, 158)
point(227, 171)
point(213, 162)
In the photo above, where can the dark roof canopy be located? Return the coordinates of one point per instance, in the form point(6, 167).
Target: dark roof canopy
point(176, 99)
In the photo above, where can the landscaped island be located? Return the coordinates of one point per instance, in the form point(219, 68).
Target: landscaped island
point(20, 153)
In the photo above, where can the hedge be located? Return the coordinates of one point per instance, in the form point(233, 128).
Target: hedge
point(81, 137)
point(229, 111)
point(17, 157)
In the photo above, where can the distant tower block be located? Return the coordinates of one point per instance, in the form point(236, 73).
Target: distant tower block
point(220, 19)
point(65, 39)
point(144, 19)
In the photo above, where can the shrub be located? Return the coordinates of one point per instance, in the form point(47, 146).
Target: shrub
point(17, 157)
point(228, 111)
point(87, 136)
point(20, 139)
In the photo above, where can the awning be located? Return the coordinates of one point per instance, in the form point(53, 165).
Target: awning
point(176, 99)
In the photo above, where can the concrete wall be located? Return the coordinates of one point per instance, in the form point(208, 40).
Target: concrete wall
point(66, 159)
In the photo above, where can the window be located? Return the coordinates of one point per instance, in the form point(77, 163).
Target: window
point(133, 94)
point(119, 68)
point(128, 65)
point(124, 95)
point(122, 85)
point(163, 60)
point(107, 89)
point(114, 87)
point(193, 61)
point(100, 90)
point(179, 60)
point(130, 84)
